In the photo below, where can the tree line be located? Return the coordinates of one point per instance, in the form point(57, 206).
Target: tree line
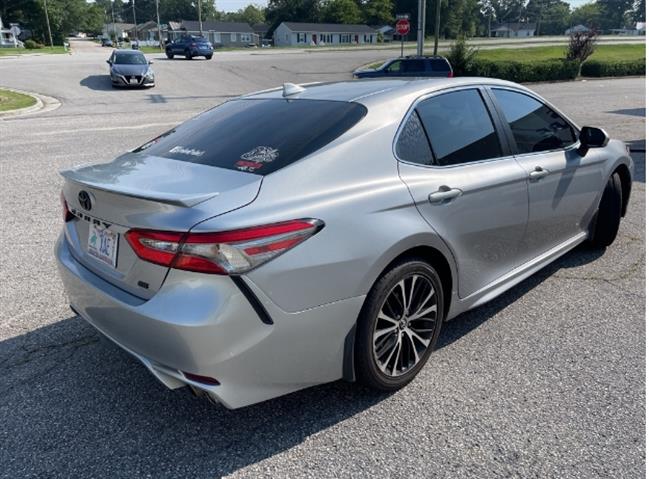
point(458, 17)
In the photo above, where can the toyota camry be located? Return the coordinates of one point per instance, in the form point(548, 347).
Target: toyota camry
point(309, 233)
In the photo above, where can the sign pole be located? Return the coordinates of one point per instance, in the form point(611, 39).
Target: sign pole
point(402, 45)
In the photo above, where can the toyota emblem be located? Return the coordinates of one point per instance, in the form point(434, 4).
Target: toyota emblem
point(85, 201)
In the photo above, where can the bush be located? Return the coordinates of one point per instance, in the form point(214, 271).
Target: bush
point(32, 45)
point(597, 68)
point(547, 70)
point(461, 56)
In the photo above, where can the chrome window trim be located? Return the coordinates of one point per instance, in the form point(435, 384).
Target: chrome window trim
point(426, 96)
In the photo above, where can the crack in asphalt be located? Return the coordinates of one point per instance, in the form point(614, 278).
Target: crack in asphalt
point(48, 349)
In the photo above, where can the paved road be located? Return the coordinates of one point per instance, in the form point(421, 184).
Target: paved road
point(546, 381)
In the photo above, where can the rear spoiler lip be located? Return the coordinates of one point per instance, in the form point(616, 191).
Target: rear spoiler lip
point(170, 199)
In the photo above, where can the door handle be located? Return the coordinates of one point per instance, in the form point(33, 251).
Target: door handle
point(539, 173)
point(444, 194)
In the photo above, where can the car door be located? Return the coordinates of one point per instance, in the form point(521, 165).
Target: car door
point(563, 186)
point(413, 68)
point(456, 162)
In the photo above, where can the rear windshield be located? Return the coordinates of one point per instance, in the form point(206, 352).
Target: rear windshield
point(257, 135)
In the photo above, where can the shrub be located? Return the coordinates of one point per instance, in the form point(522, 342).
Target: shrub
point(32, 44)
point(581, 45)
point(597, 68)
point(547, 70)
point(461, 56)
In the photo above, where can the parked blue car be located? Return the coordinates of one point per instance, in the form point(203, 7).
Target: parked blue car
point(190, 46)
point(410, 66)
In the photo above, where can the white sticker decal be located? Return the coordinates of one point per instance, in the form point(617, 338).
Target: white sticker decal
point(186, 151)
point(255, 158)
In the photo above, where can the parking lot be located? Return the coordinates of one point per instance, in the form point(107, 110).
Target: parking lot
point(547, 380)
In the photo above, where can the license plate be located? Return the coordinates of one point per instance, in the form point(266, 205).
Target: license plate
point(102, 244)
point(134, 81)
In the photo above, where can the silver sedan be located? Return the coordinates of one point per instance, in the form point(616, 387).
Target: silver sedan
point(306, 234)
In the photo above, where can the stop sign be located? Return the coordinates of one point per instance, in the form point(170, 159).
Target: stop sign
point(403, 26)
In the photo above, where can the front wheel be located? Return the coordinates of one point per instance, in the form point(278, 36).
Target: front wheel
point(399, 325)
point(609, 213)
point(188, 55)
point(208, 57)
point(170, 55)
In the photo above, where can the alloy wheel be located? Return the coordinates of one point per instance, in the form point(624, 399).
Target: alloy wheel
point(405, 325)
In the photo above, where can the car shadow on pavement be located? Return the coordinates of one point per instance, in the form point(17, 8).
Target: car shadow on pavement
point(97, 82)
point(467, 322)
point(73, 404)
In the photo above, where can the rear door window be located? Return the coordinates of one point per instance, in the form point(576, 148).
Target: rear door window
point(412, 145)
point(414, 66)
point(535, 126)
point(439, 65)
point(257, 135)
point(459, 128)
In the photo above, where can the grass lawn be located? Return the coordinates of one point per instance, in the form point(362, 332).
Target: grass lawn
point(24, 51)
point(10, 100)
point(602, 52)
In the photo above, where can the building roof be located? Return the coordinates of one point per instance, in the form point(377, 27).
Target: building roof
point(211, 26)
point(328, 27)
point(150, 25)
point(260, 27)
point(514, 27)
point(120, 26)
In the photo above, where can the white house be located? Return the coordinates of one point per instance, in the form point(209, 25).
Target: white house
point(509, 30)
point(293, 34)
point(119, 29)
point(9, 36)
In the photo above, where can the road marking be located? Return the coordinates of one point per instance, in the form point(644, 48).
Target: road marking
point(107, 128)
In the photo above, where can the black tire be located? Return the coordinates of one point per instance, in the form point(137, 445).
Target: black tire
point(208, 57)
point(170, 55)
point(188, 55)
point(607, 221)
point(368, 369)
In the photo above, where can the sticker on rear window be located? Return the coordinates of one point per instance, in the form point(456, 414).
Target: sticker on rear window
point(186, 151)
point(255, 158)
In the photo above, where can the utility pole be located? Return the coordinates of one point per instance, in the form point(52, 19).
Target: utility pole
point(200, 19)
point(47, 20)
point(112, 16)
point(421, 26)
point(134, 19)
point(438, 13)
point(157, 15)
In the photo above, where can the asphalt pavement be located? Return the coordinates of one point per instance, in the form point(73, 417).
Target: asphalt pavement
point(547, 380)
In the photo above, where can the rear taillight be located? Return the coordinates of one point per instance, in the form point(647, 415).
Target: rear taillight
point(227, 252)
point(67, 215)
point(450, 75)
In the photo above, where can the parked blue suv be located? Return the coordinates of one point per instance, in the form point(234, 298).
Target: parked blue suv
point(190, 46)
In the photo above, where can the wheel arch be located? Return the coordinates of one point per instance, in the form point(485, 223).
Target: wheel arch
point(431, 255)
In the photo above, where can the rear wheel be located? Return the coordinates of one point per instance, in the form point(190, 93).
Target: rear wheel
point(607, 222)
point(399, 325)
point(208, 57)
point(169, 55)
point(188, 55)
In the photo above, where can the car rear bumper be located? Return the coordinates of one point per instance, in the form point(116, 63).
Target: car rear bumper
point(205, 325)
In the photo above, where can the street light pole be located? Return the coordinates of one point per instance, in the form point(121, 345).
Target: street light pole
point(134, 20)
point(112, 16)
point(438, 8)
point(157, 14)
point(200, 19)
point(47, 20)
point(421, 26)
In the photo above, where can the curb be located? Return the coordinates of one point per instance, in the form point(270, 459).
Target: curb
point(43, 103)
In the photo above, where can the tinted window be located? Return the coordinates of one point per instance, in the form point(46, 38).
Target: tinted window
point(459, 128)
point(535, 126)
point(129, 59)
point(258, 136)
point(414, 66)
point(412, 144)
point(439, 65)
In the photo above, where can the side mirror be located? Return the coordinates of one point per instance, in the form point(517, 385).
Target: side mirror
point(591, 137)
point(150, 62)
point(109, 62)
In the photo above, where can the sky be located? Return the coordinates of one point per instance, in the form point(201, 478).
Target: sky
point(234, 5)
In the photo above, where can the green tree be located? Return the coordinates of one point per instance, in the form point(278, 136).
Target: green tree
point(341, 11)
point(251, 14)
point(588, 15)
point(292, 11)
point(613, 12)
point(377, 12)
point(551, 17)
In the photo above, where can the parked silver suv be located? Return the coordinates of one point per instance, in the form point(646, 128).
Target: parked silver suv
point(305, 234)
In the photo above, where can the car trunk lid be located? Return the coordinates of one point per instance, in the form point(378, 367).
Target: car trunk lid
point(145, 192)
